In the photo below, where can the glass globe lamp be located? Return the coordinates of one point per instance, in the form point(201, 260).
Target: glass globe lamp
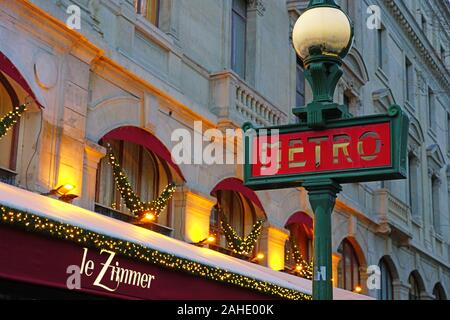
point(322, 31)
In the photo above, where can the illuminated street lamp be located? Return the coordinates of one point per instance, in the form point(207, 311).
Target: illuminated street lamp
point(322, 37)
point(328, 146)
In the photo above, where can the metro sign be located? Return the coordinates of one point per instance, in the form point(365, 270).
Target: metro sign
point(349, 150)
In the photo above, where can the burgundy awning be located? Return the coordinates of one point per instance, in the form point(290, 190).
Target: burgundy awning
point(10, 69)
point(300, 217)
point(144, 138)
point(43, 261)
point(234, 184)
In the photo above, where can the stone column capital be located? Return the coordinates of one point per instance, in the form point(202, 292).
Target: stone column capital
point(94, 152)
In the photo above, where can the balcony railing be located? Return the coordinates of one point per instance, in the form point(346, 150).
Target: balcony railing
point(392, 215)
point(234, 100)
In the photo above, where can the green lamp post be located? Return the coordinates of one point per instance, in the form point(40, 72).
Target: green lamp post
point(322, 37)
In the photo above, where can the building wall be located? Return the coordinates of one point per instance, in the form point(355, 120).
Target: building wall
point(121, 70)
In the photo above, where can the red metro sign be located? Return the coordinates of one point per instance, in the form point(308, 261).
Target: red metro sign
point(350, 150)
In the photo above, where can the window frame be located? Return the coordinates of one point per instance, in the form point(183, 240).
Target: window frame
point(157, 188)
point(140, 5)
point(431, 103)
point(386, 291)
point(16, 127)
point(414, 289)
point(236, 14)
point(409, 81)
point(347, 247)
point(215, 227)
point(435, 185)
point(381, 47)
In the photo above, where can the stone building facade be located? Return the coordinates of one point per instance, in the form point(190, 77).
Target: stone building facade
point(157, 66)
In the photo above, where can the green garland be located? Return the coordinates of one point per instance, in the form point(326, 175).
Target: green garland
point(83, 237)
point(11, 119)
point(303, 268)
point(131, 199)
point(235, 242)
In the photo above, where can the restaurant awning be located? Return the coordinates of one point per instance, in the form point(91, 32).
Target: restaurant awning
point(55, 210)
point(234, 184)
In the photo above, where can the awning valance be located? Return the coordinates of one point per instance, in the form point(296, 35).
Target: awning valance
point(144, 138)
point(234, 184)
point(300, 217)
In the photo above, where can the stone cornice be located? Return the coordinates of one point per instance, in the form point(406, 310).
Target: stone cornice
point(420, 42)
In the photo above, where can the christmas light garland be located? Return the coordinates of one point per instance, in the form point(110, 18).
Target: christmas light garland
point(131, 199)
point(303, 268)
point(83, 237)
point(236, 243)
point(11, 118)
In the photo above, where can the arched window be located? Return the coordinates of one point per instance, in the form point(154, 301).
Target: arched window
point(300, 226)
point(147, 174)
point(414, 288)
point(386, 292)
point(8, 144)
point(348, 269)
point(240, 212)
point(438, 292)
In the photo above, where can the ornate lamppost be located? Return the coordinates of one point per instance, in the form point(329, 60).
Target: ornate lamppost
point(322, 37)
point(328, 146)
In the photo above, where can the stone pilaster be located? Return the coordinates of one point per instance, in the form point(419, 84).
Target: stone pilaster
point(401, 291)
point(335, 259)
point(196, 216)
point(93, 153)
point(272, 244)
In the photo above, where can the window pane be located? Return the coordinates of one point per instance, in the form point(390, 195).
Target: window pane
point(106, 185)
point(149, 9)
point(300, 87)
point(348, 268)
point(6, 142)
point(381, 47)
point(152, 11)
point(386, 282)
point(409, 81)
point(237, 217)
point(161, 183)
point(238, 45)
point(148, 177)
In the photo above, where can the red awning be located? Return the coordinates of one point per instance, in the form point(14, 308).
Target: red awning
point(144, 138)
point(234, 184)
point(10, 69)
point(300, 217)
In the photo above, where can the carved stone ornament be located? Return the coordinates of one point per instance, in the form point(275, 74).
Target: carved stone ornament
point(257, 5)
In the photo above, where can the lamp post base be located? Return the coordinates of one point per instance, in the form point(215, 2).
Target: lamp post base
point(322, 197)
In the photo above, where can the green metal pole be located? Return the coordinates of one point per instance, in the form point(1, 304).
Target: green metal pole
point(322, 197)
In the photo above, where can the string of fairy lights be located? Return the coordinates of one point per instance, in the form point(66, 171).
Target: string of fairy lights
point(142, 210)
point(150, 210)
point(236, 243)
point(11, 118)
point(302, 267)
point(83, 237)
